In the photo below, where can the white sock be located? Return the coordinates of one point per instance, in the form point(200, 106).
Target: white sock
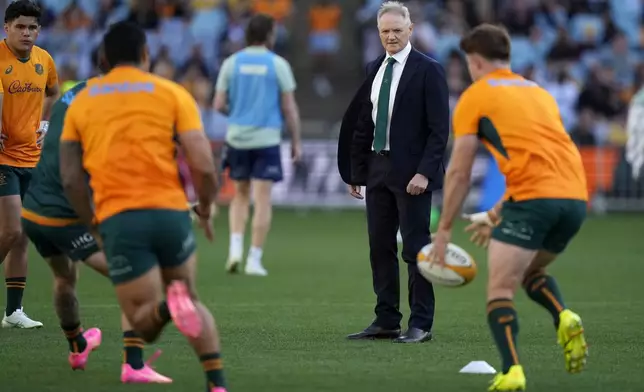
point(255, 254)
point(236, 249)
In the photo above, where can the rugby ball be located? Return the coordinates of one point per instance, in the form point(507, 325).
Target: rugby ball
point(460, 268)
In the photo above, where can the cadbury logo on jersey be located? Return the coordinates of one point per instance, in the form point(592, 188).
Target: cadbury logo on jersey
point(16, 87)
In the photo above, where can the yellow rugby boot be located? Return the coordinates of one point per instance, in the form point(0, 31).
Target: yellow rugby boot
point(570, 336)
point(513, 380)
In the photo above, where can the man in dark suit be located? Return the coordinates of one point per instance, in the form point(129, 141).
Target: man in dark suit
point(392, 141)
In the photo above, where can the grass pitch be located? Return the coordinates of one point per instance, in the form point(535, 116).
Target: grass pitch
point(286, 332)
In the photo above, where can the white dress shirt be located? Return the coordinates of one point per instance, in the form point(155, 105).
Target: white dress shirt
point(635, 131)
point(399, 66)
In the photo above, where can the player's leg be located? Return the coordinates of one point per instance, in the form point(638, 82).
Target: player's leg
point(134, 369)
point(142, 302)
point(202, 335)
point(506, 266)
point(266, 170)
point(261, 225)
point(515, 242)
point(15, 270)
point(239, 165)
point(10, 209)
point(543, 289)
point(13, 246)
point(65, 272)
point(128, 239)
point(237, 219)
point(81, 343)
point(176, 251)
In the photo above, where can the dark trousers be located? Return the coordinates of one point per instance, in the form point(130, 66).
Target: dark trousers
point(388, 208)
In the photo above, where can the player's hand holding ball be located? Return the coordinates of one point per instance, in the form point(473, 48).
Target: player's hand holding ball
point(440, 239)
point(444, 263)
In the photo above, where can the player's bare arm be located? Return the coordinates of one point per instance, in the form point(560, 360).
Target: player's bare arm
point(74, 180)
point(220, 102)
point(292, 116)
point(52, 93)
point(196, 148)
point(51, 96)
point(457, 185)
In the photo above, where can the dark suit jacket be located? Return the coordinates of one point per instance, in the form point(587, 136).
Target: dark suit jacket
point(419, 125)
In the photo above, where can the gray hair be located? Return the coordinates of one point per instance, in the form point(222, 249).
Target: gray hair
point(395, 7)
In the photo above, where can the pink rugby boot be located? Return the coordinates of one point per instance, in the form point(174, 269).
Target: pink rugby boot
point(182, 310)
point(93, 336)
point(145, 375)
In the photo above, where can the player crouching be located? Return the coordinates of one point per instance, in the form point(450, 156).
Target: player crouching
point(545, 204)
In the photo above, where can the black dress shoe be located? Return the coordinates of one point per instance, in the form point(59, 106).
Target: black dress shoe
point(414, 335)
point(375, 332)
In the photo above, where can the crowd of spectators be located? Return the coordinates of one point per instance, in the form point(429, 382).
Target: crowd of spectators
point(587, 53)
point(188, 39)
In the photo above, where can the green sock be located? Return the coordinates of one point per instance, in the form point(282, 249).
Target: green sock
point(504, 324)
point(543, 290)
point(133, 350)
point(15, 289)
point(214, 369)
point(74, 335)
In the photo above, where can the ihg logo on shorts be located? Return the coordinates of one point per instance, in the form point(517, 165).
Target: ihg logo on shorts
point(83, 241)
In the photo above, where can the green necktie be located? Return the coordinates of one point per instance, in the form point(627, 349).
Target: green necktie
point(380, 136)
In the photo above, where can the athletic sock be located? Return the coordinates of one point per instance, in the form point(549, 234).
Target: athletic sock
point(236, 247)
point(15, 289)
point(132, 350)
point(543, 290)
point(504, 324)
point(74, 335)
point(255, 254)
point(162, 313)
point(214, 369)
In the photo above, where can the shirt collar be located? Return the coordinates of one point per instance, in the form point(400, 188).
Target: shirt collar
point(401, 57)
point(256, 49)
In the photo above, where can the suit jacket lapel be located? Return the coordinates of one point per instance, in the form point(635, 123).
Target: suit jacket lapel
point(410, 69)
point(373, 71)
